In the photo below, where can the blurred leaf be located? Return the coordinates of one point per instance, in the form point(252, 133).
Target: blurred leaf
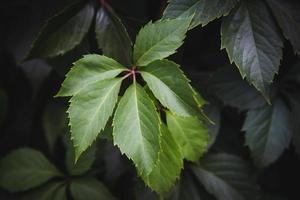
point(169, 165)
point(227, 177)
point(213, 111)
point(25, 168)
point(89, 189)
point(268, 132)
point(50, 191)
point(3, 106)
point(287, 15)
point(159, 40)
point(83, 164)
point(112, 36)
point(227, 84)
point(205, 10)
point(191, 135)
point(63, 32)
point(54, 122)
point(254, 43)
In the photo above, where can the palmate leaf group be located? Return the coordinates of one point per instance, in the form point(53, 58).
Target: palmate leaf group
point(139, 132)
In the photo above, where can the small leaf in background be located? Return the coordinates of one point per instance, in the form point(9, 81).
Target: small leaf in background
point(88, 70)
point(112, 36)
point(287, 15)
point(159, 40)
point(3, 106)
point(227, 177)
point(83, 164)
point(167, 169)
point(227, 84)
point(63, 32)
point(90, 110)
point(205, 10)
point(191, 135)
point(136, 129)
point(170, 86)
point(50, 191)
point(89, 189)
point(55, 122)
point(25, 168)
point(254, 43)
point(268, 132)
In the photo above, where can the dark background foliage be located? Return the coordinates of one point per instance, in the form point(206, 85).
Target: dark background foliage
point(29, 87)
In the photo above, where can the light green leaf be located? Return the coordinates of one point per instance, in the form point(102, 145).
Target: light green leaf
point(63, 32)
point(268, 132)
point(205, 10)
point(136, 129)
point(169, 164)
point(191, 135)
point(90, 110)
point(170, 87)
point(112, 36)
point(50, 191)
point(159, 40)
point(227, 177)
point(228, 86)
point(88, 70)
point(254, 43)
point(83, 164)
point(54, 122)
point(287, 15)
point(25, 168)
point(89, 189)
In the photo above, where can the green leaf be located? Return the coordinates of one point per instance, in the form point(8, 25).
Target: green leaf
point(287, 15)
point(169, 165)
point(191, 134)
point(205, 10)
point(254, 43)
point(136, 129)
point(54, 122)
point(170, 87)
point(89, 189)
point(63, 32)
point(88, 70)
point(227, 85)
point(90, 110)
point(268, 132)
point(50, 191)
point(112, 36)
point(83, 164)
point(159, 40)
point(227, 177)
point(25, 168)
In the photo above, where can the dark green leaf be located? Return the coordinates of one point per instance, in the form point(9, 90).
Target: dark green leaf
point(205, 10)
point(112, 36)
point(159, 40)
point(89, 189)
point(228, 86)
point(25, 168)
point(50, 191)
point(268, 132)
point(136, 129)
point(227, 177)
point(63, 32)
point(287, 15)
point(254, 43)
